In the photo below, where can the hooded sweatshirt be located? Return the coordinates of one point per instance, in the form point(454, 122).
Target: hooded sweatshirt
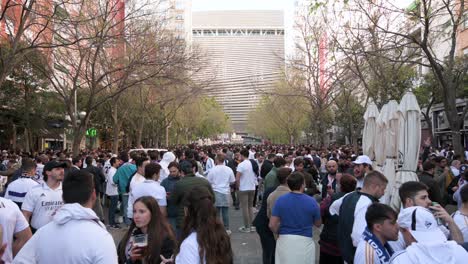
point(435, 253)
point(75, 236)
point(168, 157)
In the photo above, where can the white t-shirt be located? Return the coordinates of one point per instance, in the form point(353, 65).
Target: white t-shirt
point(12, 221)
point(220, 177)
point(111, 188)
point(106, 167)
point(462, 223)
point(43, 203)
point(189, 251)
point(248, 177)
point(359, 216)
point(39, 169)
point(18, 189)
point(210, 164)
point(136, 179)
point(146, 188)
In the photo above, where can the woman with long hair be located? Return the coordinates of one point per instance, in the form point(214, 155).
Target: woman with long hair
point(147, 220)
point(204, 239)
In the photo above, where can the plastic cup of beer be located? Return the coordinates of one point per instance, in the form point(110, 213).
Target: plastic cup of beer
point(140, 241)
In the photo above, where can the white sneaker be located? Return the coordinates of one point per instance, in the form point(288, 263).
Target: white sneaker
point(244, 229)
point(253, 229)
point(229, 232)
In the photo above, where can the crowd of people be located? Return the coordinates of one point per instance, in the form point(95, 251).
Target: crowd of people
point(174, 206)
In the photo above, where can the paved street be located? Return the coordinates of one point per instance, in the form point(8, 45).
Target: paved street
point(246, 247)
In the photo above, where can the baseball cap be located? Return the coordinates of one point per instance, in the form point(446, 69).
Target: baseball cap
point(363, 159)
point(422, 224)
point(53, 164)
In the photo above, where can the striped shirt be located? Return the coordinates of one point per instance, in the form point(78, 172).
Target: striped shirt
point(18, 189)
point(366, 254)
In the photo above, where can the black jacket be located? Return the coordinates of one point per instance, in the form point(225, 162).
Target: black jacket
point(346, 222)
point(266, 168)
point(99, 177)
point(434, 190)
point(325, 184)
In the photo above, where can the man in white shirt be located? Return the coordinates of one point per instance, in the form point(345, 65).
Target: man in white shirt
point(18, 189)
point(427, 243)
point(351, 210)
point(461, 216)
point(41, 160)
point(208, 163)
point(16, 230)
point(140, 163)
point(245, 182)
point(75, 233)
point(373, 248)
point(112, 190)
point(220, 178)
point(42, 201)
point(149, 187)
point(413, 194)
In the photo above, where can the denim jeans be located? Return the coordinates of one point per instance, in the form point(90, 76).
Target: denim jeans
point(223, 213)
point(114, 199)
point(123, 208)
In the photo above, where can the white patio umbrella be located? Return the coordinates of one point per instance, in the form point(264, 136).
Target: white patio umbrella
point(369, 133)
point(379, 142)
point(408, 144)
point(391, 120)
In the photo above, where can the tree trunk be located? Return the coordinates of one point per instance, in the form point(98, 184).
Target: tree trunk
point(77, 137)
point(115, 139)
point(13, 143)
point(139, 134)
point(27, 142)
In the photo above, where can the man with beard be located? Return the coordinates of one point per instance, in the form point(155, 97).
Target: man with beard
point(362, 166)
point(329, 181)
point(427, 177)
point(42, 201)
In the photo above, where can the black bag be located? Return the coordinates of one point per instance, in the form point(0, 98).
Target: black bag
point(127, 188)
point(255, 167)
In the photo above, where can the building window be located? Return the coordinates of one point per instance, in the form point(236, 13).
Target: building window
point(179, 17)
point(223, 32)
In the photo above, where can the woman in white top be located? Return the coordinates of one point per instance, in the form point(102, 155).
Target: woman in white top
point(204, 239)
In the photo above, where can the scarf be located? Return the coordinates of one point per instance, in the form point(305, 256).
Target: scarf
point(384, 252)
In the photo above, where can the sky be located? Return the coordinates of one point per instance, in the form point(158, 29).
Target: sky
point(199, 5)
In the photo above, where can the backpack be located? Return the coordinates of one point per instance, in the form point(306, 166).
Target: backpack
point(255, 167)
point(127, 188)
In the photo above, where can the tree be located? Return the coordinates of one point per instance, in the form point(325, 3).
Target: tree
point(349, 115)
point(199, 117)
point(280, 117)
point(431, 25)
point(114, 49)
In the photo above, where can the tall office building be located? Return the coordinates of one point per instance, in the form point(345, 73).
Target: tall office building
point(244, 57)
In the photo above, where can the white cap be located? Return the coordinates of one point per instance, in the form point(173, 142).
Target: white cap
point(363, 160)
point(422, 224)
